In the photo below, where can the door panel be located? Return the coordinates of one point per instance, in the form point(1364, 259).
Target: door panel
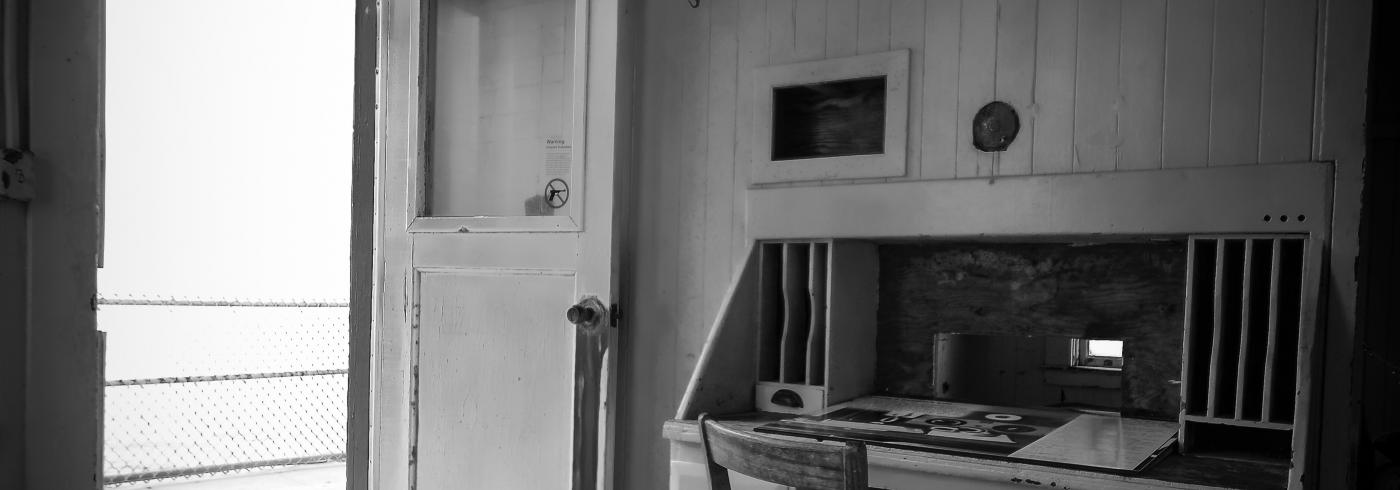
point(481, 382)
point(494, 399)
point(502, 97)
point(498, 250)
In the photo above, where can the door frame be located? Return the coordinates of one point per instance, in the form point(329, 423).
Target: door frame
point(56, 118)
point(363, 173)
point(379, 437)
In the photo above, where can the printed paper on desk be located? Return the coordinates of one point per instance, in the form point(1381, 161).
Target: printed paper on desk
point(1054, 437)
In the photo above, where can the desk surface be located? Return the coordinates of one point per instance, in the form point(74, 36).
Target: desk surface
point(1176, 470)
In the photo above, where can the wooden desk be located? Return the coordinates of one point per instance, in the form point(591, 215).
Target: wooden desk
point(905, 469)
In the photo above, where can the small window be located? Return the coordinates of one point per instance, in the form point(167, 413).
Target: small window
point(1098, 353)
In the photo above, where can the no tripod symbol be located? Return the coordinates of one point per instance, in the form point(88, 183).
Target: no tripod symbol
point(556, 193)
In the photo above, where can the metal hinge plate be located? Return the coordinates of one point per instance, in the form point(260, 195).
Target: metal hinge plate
point(16, 175)
point(614, 314)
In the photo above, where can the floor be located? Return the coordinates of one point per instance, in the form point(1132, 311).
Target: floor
point(323, 476)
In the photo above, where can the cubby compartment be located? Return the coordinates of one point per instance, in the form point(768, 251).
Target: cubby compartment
point(816, 310)
point(1266, 445)
point(1244, 340)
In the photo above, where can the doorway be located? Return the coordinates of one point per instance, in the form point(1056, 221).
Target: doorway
point(225, 280)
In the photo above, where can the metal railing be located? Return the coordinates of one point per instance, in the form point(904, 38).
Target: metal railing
point(173, 414)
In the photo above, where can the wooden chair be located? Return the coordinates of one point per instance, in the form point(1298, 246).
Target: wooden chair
point(805, 465)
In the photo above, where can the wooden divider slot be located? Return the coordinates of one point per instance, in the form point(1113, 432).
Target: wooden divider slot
point(1232, 313)
point(1243, 355)
point(816, 337)
point(1202, 258)
point(770, 311)
point(1188, 336)
point(1218, 305)
point(796, 322)
point(1291, 287)
point(1254, 330)
point(1271, 352)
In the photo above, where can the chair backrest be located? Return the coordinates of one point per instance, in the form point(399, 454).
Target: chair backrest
point(805, 465)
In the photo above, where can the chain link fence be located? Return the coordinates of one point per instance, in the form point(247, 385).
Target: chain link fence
point(198, 386)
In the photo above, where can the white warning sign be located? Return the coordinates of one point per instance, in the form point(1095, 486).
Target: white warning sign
point(558, 157)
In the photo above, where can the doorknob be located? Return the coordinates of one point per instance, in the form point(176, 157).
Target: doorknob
point(587, 312)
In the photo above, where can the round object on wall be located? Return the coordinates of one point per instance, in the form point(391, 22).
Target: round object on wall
point(995, 126)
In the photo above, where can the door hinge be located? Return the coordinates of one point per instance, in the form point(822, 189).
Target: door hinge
point(16, 175)
point(614, 314)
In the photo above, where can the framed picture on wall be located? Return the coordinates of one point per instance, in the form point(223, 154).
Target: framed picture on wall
point(841, 118)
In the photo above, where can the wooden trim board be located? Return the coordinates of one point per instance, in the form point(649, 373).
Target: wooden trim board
point(1178, 201)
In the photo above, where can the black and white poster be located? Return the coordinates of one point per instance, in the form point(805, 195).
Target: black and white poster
point(1052, 437)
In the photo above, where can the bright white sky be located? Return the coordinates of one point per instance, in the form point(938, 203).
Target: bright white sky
point(228, 148)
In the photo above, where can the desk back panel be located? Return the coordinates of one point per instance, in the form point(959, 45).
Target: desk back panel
point(1130, 291)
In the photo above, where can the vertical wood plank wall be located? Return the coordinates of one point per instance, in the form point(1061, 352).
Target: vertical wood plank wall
point(1101, 85)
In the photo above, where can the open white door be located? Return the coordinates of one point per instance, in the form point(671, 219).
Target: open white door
point(498, 178)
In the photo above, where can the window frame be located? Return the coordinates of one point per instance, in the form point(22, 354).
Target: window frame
point(1081, 358)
